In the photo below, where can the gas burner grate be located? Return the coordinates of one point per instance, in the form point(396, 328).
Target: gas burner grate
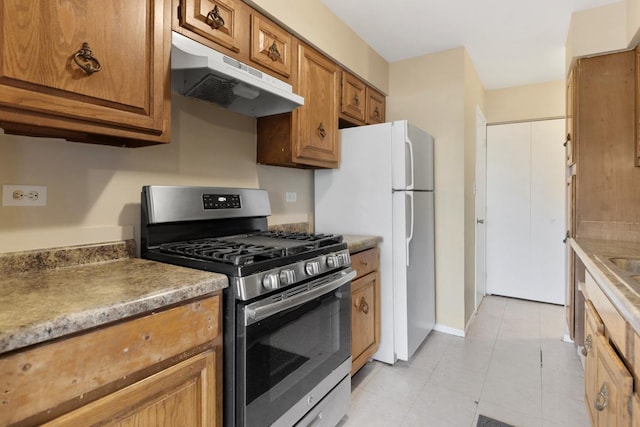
point(321, 239)
point(225, 251)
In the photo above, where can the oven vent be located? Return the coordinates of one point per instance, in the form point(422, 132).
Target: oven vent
point(299, 290)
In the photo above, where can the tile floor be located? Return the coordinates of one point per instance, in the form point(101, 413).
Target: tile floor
point(512, 366)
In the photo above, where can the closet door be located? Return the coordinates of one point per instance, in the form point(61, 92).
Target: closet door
point(525, 210)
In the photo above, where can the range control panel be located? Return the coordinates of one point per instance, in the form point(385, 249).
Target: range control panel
point(221, 201)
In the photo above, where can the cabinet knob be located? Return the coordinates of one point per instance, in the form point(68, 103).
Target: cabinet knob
point(377, 112)
point(356, 100)
point(602, 400)
point(320, 131)
point(85, 60)
point(274, 53)
point(361, 305)
point(214, 20)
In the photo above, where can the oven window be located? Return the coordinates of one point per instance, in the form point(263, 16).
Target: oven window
point(289, 353)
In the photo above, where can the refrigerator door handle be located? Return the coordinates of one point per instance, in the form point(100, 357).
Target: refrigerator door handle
point(411, 164)
point(411, 224)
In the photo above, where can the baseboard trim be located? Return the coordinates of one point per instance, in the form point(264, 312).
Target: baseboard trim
point(449, 330)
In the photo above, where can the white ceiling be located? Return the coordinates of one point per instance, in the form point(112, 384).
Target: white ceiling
point(510, 42)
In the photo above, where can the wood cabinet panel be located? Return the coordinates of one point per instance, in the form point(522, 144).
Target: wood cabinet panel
point(365, 319)
point(604, 140)
point(271, 46)
point(182, 395)
point(215, 20)
point(616, 326)
point(614, 388)
point(365, 262)
point(124, 91)
point(317, 142)
point(376, 111)
point(74, 368)
point(353, 98)
point(593, 330)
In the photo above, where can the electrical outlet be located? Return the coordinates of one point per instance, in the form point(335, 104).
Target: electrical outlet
point(291, 196)
point(24, 195)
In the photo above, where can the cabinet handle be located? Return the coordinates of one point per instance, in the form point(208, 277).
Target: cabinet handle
point(587, 346)
point(361, 305)
point(568, 140)
point(274, 53)
point(566, 236)
point(356, 100)
point(214, 20)
point(320, 131)
point(377, 112)
point(88, 59)
point(603, 398)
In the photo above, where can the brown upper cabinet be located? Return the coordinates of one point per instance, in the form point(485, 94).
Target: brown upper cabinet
point(307, 137)
point(637, 106)
point(271, 46)
point(360, 104)
point(353, 98)
point(215, 20)
point(96, 72)
point(375, 106)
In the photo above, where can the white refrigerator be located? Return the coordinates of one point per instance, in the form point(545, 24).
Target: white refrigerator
point(384, 187)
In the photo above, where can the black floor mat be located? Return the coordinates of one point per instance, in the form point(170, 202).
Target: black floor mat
point(490, 422)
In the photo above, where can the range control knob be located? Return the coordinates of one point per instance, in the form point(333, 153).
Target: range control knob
point(343, 259)
point(287, 277)
point(333, 261)
point(271, 281)
point(312, 268)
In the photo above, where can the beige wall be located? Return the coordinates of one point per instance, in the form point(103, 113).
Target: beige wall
point(529, 102)
point(633, 22)
point(429, 91)
point(94, 191)
point(314, 22)
point(597, 30)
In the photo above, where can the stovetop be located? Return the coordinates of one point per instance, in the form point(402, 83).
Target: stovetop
point(244, 249)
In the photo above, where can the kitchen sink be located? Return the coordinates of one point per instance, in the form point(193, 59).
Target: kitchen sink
point(629, 265)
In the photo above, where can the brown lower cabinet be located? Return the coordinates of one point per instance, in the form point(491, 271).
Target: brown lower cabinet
point(365, 307)
point(164, 368)
point(608, 367)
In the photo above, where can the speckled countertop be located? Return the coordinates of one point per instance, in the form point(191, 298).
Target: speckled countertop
point(359, 243)
point(623, 291)
point(52, 293)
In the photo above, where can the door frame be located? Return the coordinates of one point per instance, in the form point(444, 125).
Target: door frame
point(480, 192)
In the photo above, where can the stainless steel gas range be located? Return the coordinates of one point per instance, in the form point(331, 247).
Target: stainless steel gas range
point(287, 316)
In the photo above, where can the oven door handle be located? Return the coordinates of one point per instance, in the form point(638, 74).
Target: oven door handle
point(258, 313)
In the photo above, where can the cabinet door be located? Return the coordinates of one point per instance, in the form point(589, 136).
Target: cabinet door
point(271, 46)
point(353, 98)
point(375, 107)
point(593, 330)
point(570, 142)
point(364, 298)
point(93, 62)
point(182, 395)
point(215, 20)
point(318, 142)
point(614, 388)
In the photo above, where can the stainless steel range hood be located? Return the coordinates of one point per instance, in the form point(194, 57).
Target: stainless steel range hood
point(201, 72)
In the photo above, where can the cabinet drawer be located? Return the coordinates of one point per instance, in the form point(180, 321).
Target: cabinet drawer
point(616, 326)
point(215, 20)
point(75, 367)
point(365, 262)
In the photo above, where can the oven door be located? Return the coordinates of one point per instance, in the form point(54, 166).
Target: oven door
point(289, 347)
